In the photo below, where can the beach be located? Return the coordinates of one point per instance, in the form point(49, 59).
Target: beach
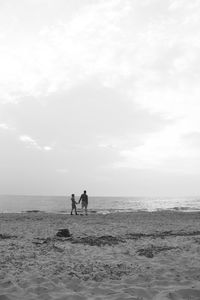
point(138, 255)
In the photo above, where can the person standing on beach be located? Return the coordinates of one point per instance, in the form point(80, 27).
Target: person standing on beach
point(73, 205)
point(84, 199)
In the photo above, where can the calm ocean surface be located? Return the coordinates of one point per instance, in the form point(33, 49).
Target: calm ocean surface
point(62, 204)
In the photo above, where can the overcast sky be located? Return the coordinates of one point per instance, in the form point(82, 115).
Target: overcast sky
point(102, 95)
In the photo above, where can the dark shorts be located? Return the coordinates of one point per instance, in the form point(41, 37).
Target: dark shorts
point(84, 204)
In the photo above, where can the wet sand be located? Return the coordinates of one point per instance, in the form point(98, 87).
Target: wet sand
point(138, 255)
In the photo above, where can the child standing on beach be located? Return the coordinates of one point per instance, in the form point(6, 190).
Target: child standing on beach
point(73, 204)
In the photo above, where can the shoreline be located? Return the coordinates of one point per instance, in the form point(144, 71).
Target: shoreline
point(108, 211)
point(137, 255)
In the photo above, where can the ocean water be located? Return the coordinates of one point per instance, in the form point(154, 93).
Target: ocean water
point(62, 204)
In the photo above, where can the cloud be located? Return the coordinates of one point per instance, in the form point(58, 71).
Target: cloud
point(169, 87)
point(174, 149)
point(110, 40)
point(4, 126)
point(107, 83)
point(192, 139)
point(31, 143)
point(47, 148)
point(64, 54)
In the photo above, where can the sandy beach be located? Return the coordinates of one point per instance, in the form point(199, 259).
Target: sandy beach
point(138, 255)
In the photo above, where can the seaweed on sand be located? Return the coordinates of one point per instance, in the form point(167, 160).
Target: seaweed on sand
point(88, 240)
point(98, 241)
point(162, 234)
point(152, 250)
point(4, 236)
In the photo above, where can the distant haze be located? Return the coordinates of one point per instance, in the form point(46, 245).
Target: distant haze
point(101, 95)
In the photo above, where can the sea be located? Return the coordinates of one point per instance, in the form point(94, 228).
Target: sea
point(99, 205)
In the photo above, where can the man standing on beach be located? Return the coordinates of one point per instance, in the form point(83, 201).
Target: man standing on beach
point(84, 199)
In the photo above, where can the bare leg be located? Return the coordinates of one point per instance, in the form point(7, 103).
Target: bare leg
point(73, 208)
point(82, 207)
point(86, 208)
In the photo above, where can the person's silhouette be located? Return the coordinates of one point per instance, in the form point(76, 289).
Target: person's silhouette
point(73, 204)
point(84, 199)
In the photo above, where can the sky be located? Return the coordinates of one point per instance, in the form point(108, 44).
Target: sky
point(101, 95)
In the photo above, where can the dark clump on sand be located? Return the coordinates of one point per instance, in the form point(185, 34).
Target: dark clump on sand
point(152, 250)
point(63, 233)
point(65, 236)
point(135, 236)
point(98, 241)
point(7, 236)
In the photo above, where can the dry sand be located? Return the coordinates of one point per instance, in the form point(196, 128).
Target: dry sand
point(116, 256)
